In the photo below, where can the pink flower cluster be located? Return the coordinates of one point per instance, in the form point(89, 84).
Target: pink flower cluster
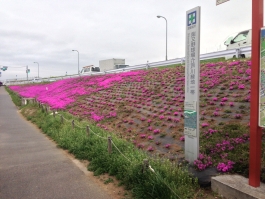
point(203, 162)
point(225, 167)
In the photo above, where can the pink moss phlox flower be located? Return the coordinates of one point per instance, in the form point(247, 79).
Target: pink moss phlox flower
point(205, 124)
point(225, 167)
point(112, 114)
point(234, 63)
point(96, 117)
point(167, 146)
point(247, 99)
point(231, 103)
point(142, 135)
point(150, 148)
point(212, 103)
point(150, 137)
point(248, 71)
point(215, 113)
point(210, 132)
point(238, 116)
point(241, 86)
point(140, 146)
point(224, 99)
point(203, 162)
point(131, 122)
point(210, 64)
point(176, 113)
point(215, 99)
point(176, 120)
point(222, 103)
point(161, 117)
point(182, 138)
point(223, 146)
point(169, 118)
point(150, 128)
point(156, 131)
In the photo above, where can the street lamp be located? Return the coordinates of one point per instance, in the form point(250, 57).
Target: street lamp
point(38, 69)
point(78, 60)
point(166, 32)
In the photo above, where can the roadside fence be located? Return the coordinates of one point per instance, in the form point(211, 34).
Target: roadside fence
point(224, 53)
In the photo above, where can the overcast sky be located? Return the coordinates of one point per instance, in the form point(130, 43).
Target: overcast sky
point(46, 31)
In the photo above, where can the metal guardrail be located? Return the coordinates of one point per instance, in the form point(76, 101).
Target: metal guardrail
point(212, 55)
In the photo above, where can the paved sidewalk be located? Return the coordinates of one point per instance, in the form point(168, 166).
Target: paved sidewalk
point(32, 167)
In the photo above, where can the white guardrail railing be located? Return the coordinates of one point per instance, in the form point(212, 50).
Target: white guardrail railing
point(225, 53)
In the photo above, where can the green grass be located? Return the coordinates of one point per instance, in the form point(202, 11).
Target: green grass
point(202, 62)
point(15, 98)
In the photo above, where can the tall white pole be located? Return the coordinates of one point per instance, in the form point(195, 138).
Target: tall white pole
point(166, 31)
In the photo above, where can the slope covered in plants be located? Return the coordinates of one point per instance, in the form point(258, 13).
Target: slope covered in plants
point(146, 107)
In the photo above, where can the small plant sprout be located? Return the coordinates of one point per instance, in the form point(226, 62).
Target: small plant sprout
point(182, 138)
point(150, 137)
point(238, 116)
point(241, 86)
point(215, 113)
point(205, 124)
point(150, 148)
point(222, 103)
point(156, 131)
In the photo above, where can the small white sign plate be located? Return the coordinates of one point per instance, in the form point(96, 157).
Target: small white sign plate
point(190, 132)
point(190, 105)
point(218, 2)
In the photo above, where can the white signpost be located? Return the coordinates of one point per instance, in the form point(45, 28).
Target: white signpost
point(220, 1)
point(192, 84)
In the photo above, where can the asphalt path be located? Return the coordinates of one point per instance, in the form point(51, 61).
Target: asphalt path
point(31, 166)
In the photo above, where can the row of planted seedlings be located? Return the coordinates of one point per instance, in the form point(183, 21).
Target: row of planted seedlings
point(212, 89)
point(151, 135)
point(147, 177)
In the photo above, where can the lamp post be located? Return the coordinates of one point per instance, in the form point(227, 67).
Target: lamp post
point(78, 60)
point(38, 69)
point(166, 32)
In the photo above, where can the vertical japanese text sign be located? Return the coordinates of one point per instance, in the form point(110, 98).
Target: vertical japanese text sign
point(192, 84)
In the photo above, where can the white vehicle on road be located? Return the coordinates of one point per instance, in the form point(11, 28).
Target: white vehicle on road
point(239, 40)
point(89, 70)
point(36, 80)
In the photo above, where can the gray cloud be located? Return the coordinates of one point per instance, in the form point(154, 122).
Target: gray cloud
point(46, 31)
